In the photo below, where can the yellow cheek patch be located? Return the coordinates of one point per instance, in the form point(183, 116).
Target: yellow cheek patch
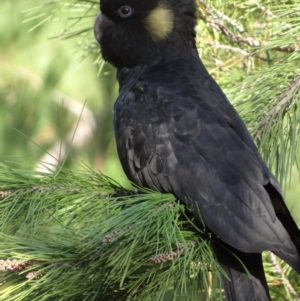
point(159, 22)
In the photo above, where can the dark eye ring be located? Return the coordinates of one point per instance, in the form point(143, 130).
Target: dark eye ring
point(125, 11)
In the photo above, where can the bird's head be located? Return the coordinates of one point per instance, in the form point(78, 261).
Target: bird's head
point(138, 32)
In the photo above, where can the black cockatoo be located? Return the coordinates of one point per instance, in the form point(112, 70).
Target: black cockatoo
point(176, 132)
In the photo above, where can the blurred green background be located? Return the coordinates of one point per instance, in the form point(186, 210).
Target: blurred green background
point(56, 98)
point(52, 98)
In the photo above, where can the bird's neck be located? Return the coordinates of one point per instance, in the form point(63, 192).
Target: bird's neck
point(162, 67)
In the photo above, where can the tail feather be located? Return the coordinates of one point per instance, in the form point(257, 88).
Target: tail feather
point(245, 281)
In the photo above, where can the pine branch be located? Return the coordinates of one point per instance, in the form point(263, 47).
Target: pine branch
point(213, 18)
point(84, 237)
point(216, 20)
point(238, 50)
point(81, 236)
point(281, 105)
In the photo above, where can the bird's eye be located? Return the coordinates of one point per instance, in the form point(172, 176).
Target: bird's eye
point(125, 11)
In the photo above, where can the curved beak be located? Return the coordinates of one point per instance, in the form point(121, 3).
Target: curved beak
point(101, 23)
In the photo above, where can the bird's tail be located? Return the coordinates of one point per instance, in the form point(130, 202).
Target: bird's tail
point(245, 279)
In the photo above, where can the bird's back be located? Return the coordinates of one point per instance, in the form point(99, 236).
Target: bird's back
point(177, 132)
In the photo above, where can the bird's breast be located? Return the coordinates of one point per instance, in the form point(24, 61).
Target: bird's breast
point(142, 137)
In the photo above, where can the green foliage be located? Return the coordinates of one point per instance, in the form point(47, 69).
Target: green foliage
point(81, 236)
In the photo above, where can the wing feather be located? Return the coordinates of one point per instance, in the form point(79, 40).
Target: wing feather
point(187, 139)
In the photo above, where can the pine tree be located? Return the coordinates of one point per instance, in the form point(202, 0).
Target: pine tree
point(81, 236)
